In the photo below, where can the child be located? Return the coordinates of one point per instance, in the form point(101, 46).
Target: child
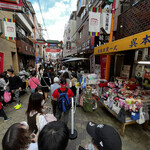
point(2, 113)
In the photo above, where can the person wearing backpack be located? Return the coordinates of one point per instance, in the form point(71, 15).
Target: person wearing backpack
point(63, 95)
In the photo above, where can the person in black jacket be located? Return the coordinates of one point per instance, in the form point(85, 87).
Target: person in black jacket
point(45, 82)
point(15, 85)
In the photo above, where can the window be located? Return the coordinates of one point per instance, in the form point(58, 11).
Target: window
point(135, 2)
point(80, 34)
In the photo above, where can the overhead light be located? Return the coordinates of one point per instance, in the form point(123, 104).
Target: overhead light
point(81, 53)
point(144, 62)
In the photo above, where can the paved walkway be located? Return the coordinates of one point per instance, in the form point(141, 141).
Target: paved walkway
point(135, 138)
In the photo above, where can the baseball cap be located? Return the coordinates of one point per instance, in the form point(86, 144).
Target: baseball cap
point(56, 79)
point(107, 137)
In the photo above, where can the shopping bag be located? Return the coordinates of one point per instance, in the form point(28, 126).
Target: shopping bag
point(110, 102)
point(7, 96)
point(50, 118)
point(135, 115)
point(116, 108)
point(122, 115)
point(142, 118)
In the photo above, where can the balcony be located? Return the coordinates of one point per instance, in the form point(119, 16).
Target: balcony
point(24, 45)
point(81, 6)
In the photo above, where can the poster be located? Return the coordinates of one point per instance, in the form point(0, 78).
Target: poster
point(139, 71)
point(1, 62)
point(125, 71)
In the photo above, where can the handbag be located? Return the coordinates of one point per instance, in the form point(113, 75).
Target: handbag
point(116, 108)
point(36, 83)
point(7, 96)
point(142, 118)
point(135, 115)
point(122, 115)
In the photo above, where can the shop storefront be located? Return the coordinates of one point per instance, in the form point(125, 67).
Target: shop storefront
point(127, 95)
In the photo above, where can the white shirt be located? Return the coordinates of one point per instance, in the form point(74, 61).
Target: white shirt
point(33, 146)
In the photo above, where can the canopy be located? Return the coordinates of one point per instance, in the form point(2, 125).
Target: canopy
point(75, 59)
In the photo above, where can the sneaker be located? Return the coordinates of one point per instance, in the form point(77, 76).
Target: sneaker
point(7, 119)
point(18, 107)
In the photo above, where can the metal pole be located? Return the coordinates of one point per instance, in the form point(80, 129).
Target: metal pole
point(72, 116)
point(108, 61)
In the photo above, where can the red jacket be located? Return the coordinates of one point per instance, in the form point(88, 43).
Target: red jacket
point(0, 105)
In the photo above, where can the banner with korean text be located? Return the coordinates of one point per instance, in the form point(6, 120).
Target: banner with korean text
point(10, 29)
point(94, 21)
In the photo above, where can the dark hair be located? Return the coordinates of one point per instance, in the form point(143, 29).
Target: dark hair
point(2, 75)
point(35, 103)
point(54, 136)
point(45, 73)
point(66, 75)
point(96, 143)
point(33, 73)
point(39, 88)
point(63, 81)
point(16, 138)
point(74, 74)
point(10, 70)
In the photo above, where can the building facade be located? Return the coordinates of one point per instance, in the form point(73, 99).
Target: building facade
point(69, 38)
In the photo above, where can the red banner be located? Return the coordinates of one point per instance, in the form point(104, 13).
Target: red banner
point(1, 62)
point(103, 65)
point(12, 5)
point(52, 50)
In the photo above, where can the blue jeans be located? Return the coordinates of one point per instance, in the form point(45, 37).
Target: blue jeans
point(32, 90)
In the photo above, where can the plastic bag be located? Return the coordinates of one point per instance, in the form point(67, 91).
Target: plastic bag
point(7, 96)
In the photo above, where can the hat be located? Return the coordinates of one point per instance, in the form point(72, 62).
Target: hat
point(107, 137)
point(10, 70)
point(56, 79)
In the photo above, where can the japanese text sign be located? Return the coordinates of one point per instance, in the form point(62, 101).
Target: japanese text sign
point(137, 41)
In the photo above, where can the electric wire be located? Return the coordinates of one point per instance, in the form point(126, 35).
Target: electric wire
point(42, 17)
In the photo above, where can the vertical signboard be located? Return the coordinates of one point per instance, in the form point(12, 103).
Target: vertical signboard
point(1, 62)
point(92, 63)
point(103, 65)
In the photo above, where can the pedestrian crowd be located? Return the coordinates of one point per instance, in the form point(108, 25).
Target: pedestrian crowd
point(46, 129)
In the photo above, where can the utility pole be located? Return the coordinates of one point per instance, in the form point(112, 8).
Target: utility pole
point(108, 60)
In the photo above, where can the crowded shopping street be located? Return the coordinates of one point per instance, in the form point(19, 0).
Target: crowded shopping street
point(74, 75)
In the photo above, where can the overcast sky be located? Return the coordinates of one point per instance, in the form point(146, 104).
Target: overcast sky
point(56, 14)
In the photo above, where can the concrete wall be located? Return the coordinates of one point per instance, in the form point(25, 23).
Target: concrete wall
point(8, 47)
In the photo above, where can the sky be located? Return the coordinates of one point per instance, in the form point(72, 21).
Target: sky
point(56, 14)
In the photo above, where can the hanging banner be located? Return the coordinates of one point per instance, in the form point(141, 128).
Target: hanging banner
point(92, 63)
point(52, 50)
point(106, 22)
point(94, 21)
point(10, 29)
point(1, 62)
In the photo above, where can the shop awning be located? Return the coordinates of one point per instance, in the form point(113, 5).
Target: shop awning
point(75, 59)
point(137, 41)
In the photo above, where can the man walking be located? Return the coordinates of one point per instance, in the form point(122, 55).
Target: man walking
point(61, 102)
point(15, 85)
point(53, 88)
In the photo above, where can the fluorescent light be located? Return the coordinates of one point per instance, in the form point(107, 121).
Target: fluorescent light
point(144, 62)
point(81, 53)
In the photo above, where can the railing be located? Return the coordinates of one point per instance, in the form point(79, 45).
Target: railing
point(20, 36)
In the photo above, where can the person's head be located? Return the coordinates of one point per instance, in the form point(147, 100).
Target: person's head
point(40, 90)
point(66, 75)
point(10, 72)
point(56, 80)
point(33, 73)
point(36, 102)
point(5, 73)
point(74, 75)
point(104, 137)
point(17, 137)
point(45, 73)
point(63, 67)
point(2, 75)
point(63, 82)
point(54, 136)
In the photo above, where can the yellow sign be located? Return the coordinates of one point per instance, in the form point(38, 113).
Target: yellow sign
point(137, 41)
